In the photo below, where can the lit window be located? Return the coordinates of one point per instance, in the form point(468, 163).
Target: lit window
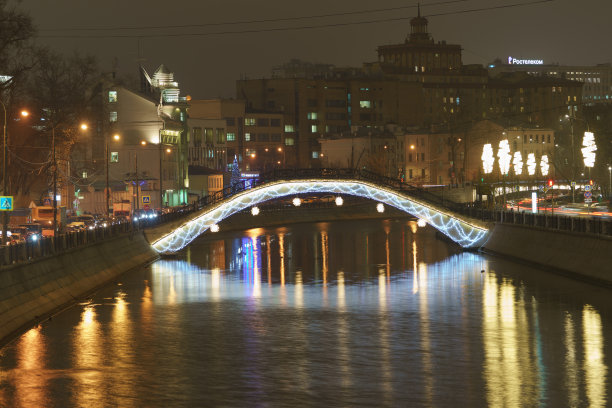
point(113, 116)
point(312, 115)
point(289, 141)
point(289, 128)
point(114, 157)
point(247, 137)
point(365, 104)
point(84, 174)
point(231, 137)
point(249, 121)
point(313, 128)
point(315, 155)
point(112, 96)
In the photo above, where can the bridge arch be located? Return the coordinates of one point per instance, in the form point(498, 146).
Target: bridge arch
point(466, 233)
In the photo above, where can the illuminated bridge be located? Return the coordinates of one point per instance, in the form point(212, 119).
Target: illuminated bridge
point(466, 232)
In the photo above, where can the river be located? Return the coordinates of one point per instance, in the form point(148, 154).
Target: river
point(363, 313)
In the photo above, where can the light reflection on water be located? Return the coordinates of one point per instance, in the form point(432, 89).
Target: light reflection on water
point(379, 313)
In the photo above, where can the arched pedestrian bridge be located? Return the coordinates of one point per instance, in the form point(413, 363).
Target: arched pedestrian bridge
point(467, 233)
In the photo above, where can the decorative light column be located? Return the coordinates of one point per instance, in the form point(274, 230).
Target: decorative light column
point(504, 157)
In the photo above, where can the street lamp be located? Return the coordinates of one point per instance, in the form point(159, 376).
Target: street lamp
point(82, 126)
point(4, 190)
point(116, 137)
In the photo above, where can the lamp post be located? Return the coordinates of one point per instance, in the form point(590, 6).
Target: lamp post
point(4, 189)
point(610, 185)
point(108, 193)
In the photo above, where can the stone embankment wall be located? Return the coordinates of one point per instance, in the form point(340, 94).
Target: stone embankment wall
point(580, 255)
point(32, 291)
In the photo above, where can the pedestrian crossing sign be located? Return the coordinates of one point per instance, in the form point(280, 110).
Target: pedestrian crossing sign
point(146, 199)
point(6, 203)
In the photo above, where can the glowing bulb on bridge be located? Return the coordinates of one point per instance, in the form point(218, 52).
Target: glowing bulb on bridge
point(255, 210)
point(339, 201)
point(421, 223)
point(297, 202)
point(214, 228)
point(380, 207)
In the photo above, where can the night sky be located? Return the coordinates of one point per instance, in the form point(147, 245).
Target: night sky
point(207, 66)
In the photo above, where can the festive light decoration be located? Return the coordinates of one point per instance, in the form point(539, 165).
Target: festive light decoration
point(544, 165)
point(380, 207)
point(214, 228)
point(297, 202)
point(255, 210)
point(504, 156)
point(531, 164)
point(421, 223)
point(487, 158)
point(465, 233)
point(339, 201)
point(589, 149)
point(517, 163)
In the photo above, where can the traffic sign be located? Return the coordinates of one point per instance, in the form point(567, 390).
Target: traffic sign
point(588, 200)
point(47, 201)
point(588, 194)
point(573, 184)
point(146, 199)
point(6, 203)
point(587, 187)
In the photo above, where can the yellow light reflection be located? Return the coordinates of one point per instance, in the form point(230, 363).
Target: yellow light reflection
point(415, 277)
point(571, 363)
point(385, 348)
point(299, 289)
point(325, 266)
point(215, 284)
point(424, 320)
point(121, 339)
point(595, 369)
point(344, 356)
point(281, 250)
point(269, 259)
point(30, 378)
point(87, 346)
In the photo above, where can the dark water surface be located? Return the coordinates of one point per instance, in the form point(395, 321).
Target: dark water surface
point(364, 313)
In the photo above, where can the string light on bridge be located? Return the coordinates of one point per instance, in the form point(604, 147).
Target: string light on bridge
point(255, 210)
point(380, 207)
point(297, 202)
point(214, 228)
point(339, 201)
point(421, 223)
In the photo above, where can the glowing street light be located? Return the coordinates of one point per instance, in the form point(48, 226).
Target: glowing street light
point(421, 223)
point(544, 165)
point(339, 201)
point(297, 202)
point(589, 149)
point(531, 164)
point(487, 158)
point(504, 156)
point(255, 210)
point(214, 228)
point(380, 207)
point(517, 163)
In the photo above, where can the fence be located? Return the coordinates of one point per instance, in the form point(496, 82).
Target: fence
point(51, 246)
point(585, 225)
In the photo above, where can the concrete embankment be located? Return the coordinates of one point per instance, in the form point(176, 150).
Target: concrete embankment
point(32, 291)
point(586, 257)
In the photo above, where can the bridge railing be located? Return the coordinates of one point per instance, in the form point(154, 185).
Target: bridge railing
point(585, 225)
point(29, 250)
point(331, 174)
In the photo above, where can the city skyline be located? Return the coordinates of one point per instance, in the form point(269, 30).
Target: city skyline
point(207, 66)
